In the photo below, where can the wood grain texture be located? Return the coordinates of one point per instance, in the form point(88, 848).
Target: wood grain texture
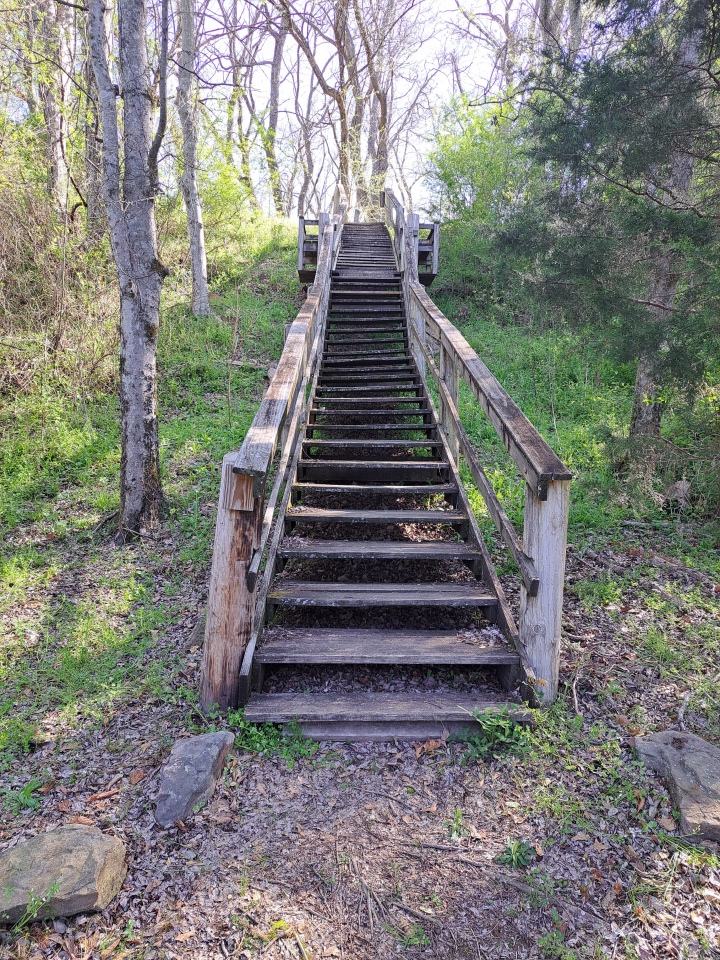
point(379, 647)
point(299, 593)
point(377, 550)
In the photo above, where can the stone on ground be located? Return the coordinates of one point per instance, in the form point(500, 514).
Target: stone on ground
point(190, 776)
point(74, 869)
point(691, 767)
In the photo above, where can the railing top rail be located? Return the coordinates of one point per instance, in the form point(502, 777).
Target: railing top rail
point(258, 448)
point(532, 454)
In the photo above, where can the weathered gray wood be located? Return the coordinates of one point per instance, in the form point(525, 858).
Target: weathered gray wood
point(230, 600)
point(379, 647)
point(404, 490)
point(526, 565)
point(449, 375)
point(316, 515)
point(376, 550)
point(534, 457)
point(374, 707)
point(357, 471)
point(544, 537)
point(301, 593)
point(365, 444)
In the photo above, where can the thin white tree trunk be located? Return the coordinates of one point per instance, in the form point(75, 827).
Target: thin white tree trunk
point(189, 179)
point(129, 203)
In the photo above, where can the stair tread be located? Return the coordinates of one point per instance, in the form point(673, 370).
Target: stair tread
point(323, 645)
point(320, 594)
point(378, 550)
point(324, 515)
point(372, 444)
point(370, 706)
point(398, 490)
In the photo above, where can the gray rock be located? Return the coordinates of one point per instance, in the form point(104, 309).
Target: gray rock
point(691, 767)
point(190, 776)
point(70, 870)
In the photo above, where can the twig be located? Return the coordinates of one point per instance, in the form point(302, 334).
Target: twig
point(576, 706)
point(418, 914)
point(683, 708)
point(302, 949)
point(105, 519)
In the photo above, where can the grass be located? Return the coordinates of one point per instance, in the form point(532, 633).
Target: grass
point(80, 623)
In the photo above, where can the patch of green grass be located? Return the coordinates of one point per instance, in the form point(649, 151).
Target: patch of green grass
point(496, 733)
point(414, 936)
point(269, 740)
point(517, 854)
point(23, 799)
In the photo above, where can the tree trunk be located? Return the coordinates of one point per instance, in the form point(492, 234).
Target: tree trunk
point(93, 160)
point(130, 205)
point(270, 132)
point(188, 180)
point(54, 22)
point(647, 405)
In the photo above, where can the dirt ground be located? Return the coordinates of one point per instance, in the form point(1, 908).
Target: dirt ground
point(373, 851)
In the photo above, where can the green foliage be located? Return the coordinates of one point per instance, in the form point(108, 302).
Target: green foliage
point(33, 908)
point(414, 936)
point(517, 854)
point(477, 171)
point(23, 799)
point(456, 827)
point(496, 734)
point(269, 740)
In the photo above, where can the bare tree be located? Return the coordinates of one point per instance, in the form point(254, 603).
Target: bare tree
point(129, 195)
point(189, 179)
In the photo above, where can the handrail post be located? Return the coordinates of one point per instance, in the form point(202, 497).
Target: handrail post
point(301, 243)
point(451, 378)
point(544, 539)
point(230, 600)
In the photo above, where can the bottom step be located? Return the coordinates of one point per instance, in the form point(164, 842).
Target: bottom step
point(375, 716)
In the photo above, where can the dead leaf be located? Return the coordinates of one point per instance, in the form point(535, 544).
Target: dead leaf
point(667, 823)
point(103, 795)
point(600, 846)
point(86, 820)
point(331, 952)
point(182, 937)
point(65, 806)
point(431, 809)
point(136, 776)
point(580, 836)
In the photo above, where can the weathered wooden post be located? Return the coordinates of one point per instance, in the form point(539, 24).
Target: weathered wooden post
point(451, 378)
point(230, 601)
point(544, 539)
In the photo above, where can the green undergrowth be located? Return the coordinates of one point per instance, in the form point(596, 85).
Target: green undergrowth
point(270, 740)
point(82, 621)
point(567, 383)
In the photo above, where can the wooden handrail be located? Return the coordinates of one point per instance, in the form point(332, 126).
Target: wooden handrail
point(243, 521)
point(533, 455)
point(541, 554)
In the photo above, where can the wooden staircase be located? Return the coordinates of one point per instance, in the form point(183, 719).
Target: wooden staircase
point(381, 561)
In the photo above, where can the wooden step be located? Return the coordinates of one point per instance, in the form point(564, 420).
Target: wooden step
point(369, 403)
point(310, 593)
point(384, 444)
point(432, 647)
point(362, 356)
point(358, 471)
point(369, 428)
point(371, 414)
point(377, 550)
point(391, 490)
point(375, 374)
point(399, 386)
point(367, 360)
point(319, 515)
point(376, 716)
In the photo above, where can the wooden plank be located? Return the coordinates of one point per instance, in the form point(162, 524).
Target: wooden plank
point(545, 534)
point(534, 457)
point(302, 593)
point(369, 428)
point(230, 601)
point(333, 707)
point(526, 564)
point(376, 550)
point(379, 647)
point(395, 490)
point(319, 515)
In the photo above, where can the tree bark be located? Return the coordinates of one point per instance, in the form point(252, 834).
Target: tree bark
point(646, 414)
point(269, 135)
point(130, 204)
point(189, 180)
point(54, 23)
